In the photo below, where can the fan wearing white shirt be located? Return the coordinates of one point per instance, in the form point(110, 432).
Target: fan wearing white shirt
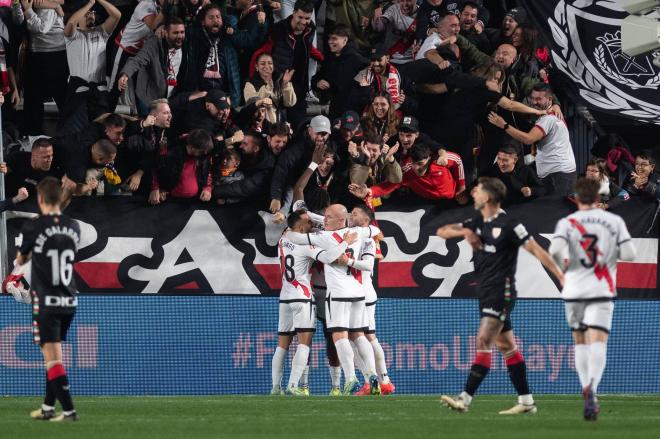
point(555, 161)
point(448, 27)
point(85, 50)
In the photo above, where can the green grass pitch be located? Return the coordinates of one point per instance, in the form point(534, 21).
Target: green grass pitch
point(559, 417)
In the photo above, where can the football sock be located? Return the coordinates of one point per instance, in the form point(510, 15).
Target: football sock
point(597, 357)
point(582, 363)
point(518, 373)
point(59, 385)
point(49, 399)
point(335, 376)
point(304, 379)
point(367, 354)
point(379, 357)
point(478, 371)
point(298, 364)
point(345, 354)
point(359, 363)
point(278, 366)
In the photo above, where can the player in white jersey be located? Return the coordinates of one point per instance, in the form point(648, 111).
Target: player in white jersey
point(587, 244)
point(297, 306)
point(345, 305)
point(362, 216)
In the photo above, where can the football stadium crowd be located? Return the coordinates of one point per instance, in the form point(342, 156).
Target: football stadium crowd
point(232, 101)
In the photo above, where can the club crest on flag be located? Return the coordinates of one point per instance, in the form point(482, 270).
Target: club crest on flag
point(626, 70)
point(586, 47)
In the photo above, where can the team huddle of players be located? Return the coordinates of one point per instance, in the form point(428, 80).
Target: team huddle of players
point(327, 274)
point(582, 257)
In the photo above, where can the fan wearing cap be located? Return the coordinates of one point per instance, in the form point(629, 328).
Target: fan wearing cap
point(337, 70)
point(346, 130)
point(409, 135)
point(378, 77)
point(207, 110)
point(292, 162)
point(512, 19)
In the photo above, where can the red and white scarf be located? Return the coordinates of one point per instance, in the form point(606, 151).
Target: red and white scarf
point(393, 82)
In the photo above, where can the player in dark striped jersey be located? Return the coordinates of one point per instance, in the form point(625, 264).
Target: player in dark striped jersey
point(51, 242)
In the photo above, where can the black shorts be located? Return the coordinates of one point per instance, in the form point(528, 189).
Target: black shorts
point(494, 302)
point(51, 327)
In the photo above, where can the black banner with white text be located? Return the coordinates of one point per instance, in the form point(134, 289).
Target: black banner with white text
point(128, 247)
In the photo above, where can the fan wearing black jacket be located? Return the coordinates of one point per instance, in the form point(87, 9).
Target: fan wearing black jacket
point(521, 182)
point(338, 70)
point(257, 163)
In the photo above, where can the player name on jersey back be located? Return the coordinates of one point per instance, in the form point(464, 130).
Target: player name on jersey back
point(295, 264)
point(593, 237)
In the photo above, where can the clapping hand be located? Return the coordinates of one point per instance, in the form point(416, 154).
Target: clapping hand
point(288, 75)
point(358, 190)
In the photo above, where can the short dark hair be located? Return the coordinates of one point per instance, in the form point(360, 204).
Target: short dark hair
point(280, 129)
point(42, 143)
point(50, 189)
point(586, 190)
point(341, 30)
point(317, 199)
point(257, 136)
point(365, 209)
point(494, 187)
point(543, 87)
point(210, 6)
point(105, 147)
point(508, 149)
point(646, 155)
point(295, 216)
point(114, 120)
point(470, 4)
point(172, 21)
point(419, 152)
point(372, 136)
point(304, 5)
point(200, 140)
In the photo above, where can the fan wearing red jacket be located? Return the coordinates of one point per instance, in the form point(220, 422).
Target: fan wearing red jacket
point(425, 177)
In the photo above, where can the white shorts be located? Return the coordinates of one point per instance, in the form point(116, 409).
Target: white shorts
point(359, 319)
point(371, 318)
point(584, 315)
point(343, 314)
point(299, 316)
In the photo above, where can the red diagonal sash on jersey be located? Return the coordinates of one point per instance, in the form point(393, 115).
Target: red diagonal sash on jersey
point(405, 41)
point(357, 274)
point(294, 282)
point(601, 271)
